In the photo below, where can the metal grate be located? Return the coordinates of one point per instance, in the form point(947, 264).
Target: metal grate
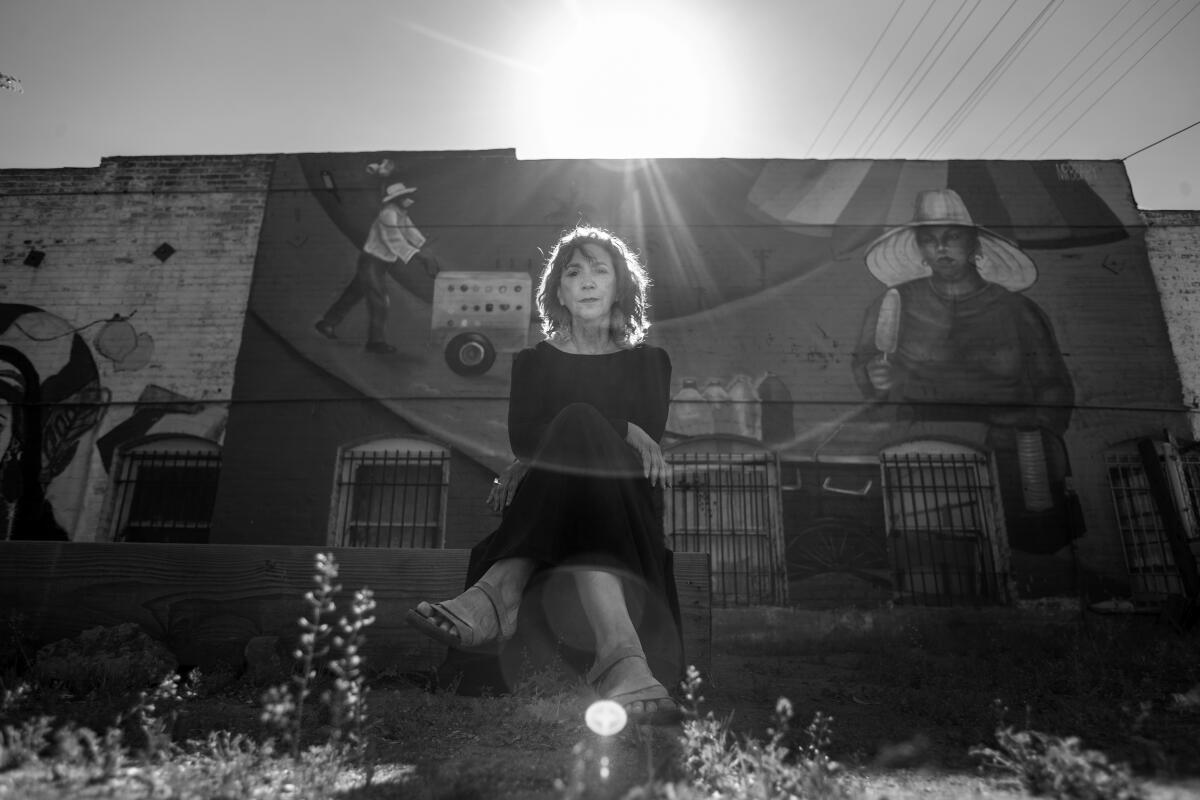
point(391, 498)
point(941, 512)
point(1148, 557)
point(166, 495)
point(729, 506)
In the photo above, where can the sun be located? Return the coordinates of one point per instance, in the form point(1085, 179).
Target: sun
point(625, 83)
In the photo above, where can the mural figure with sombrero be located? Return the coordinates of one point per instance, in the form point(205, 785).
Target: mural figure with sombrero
point(954, 339)
point(392, 242)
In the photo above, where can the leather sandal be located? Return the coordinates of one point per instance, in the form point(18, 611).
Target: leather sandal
point(469, 636)
point(667, 711)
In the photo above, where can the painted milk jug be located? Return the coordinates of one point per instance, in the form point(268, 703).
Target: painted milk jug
point(689, 414)
point(747, 410)
point(719, 406)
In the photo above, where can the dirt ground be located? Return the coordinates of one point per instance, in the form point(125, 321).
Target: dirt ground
point(909, 692)
point(895, 739)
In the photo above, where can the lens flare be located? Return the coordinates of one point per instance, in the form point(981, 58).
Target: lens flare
point(605, 717)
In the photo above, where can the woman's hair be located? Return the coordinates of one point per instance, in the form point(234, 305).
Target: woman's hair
point(629, 321)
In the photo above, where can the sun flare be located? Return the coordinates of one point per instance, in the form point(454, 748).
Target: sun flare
point(625, 83)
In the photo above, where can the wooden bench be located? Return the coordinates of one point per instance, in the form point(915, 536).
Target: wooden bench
point(207, 601)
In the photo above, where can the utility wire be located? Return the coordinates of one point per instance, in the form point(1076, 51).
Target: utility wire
point(887, 70)
point(854, 80)
point(951, 126)
point(953, 78)
point(1050, 82)
point(910, 86)
point(1018, 144)
point(1121, 77)
point(1160, 141)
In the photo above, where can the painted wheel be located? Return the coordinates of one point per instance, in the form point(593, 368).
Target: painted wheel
point(470, 354)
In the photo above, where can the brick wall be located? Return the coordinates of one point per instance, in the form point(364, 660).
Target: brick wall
point(1173, 245)
point(98, 230)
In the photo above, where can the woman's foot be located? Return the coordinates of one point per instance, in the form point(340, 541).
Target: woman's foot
point(476, 618)
point(624, 676)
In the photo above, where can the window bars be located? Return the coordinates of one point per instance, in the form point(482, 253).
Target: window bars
point(166, 495)
point(941, 512)
point(391, 498)
point(1153, 573)
point(729, 506)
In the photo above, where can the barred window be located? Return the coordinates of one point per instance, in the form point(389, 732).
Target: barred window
point(725, 501)
point(942, 511)
point(165, 491)
point(391, 493)
point(1149, 557)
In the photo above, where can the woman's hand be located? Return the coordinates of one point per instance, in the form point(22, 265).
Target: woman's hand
point(654, 466)
point(505, 485)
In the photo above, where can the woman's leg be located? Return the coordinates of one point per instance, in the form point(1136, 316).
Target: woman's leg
point(507, 579)
point(602, 596)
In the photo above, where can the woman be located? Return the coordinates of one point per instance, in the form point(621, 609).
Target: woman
point(582, 500)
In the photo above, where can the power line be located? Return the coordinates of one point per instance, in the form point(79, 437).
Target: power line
point(881, 125)
point(886, 71)
point(953, 78)
point(994, 74)
point(1160, 141)
point(1018, 144)
point(1050, 82)
point(854, 80)
point(1121, 77)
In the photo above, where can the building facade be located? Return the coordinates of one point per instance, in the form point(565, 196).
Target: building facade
point(220, 349)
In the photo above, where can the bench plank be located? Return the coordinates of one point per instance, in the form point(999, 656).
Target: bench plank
point(207, 600)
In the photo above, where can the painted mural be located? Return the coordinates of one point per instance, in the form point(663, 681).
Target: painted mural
point(58, 420)
point(822, 311)
point(51, 402)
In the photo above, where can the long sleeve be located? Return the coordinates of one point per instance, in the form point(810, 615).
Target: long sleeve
point(654, 394)
point(394, 236)
point(526, 417)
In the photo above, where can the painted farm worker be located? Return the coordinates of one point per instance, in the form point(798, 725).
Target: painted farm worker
point(580, 558)
point(959, 341)
point(391, 243)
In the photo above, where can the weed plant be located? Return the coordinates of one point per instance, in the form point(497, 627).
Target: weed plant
point(57, 758)
point(721, 764)
point(336, 648)
point(1058, 767)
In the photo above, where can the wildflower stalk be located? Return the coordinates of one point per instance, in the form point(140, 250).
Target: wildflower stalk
point(335, 647)
point(348, 702)
point(314, 637)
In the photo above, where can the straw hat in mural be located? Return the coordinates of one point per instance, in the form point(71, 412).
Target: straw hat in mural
point(894, 257)
point(394, 190)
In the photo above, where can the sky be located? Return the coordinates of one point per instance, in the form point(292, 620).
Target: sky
point(911, 79)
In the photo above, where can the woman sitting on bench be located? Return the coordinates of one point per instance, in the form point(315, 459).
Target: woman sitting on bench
point(580, 558)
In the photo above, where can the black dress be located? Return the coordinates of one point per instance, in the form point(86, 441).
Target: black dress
point(584, 503)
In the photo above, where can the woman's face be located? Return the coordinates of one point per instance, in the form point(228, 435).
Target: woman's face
point(949, 250)
point(588, 286)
